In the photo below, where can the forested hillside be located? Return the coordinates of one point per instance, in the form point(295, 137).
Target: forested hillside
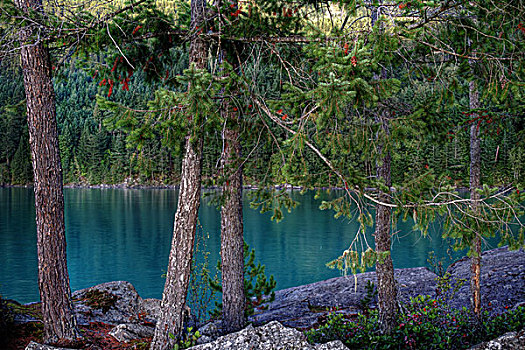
point(92, 153)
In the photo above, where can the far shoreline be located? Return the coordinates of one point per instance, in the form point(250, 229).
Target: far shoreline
point(136, 186)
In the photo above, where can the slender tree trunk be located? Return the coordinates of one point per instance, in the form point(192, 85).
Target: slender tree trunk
point(181, 254)
point(60, 324)
point(475, 183)
point(232, 240)
point(386, 288)
point(386, 284)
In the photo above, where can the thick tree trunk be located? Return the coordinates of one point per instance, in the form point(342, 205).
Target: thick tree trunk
point(386, 288)
point(475, 183)
point(181, 254)
point(60, 325)
point(232, 240)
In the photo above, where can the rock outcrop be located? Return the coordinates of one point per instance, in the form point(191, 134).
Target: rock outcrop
point(302, 307)
point(114, 303)
point(129, 331)
point(36, 346)
point(272, 336)
point(502, 279)
point(508, 341)
point(118, 303)
point(503, 286)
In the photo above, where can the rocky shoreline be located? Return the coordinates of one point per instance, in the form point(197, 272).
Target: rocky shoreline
point(133, 185)
point(503, 287)
point(118, 304)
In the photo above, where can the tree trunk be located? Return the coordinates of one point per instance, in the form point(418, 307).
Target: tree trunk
point(181, 254)
point(232, 240)
point(475, 183)
point(60, 324)
point(386, 284)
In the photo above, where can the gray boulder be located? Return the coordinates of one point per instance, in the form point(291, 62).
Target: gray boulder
point(508, 341)
point(131, 331)
point(333, 345)
point(209, 332)
point(502, 287)
point(36, 346)
point(114, 303)
point(150, 308)
point(211, 329)
point(272, 336)
point(502, 279)
point(304, 306)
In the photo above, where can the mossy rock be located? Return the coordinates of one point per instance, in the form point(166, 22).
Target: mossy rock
point(33, 310)
point(98, 299)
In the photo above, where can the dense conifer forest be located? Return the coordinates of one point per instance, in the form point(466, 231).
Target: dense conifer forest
point(93, 153)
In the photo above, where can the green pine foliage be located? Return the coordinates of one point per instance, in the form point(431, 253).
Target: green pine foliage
point(258, 288)
point(334, 75)
point(13, 127)
point(315, 87)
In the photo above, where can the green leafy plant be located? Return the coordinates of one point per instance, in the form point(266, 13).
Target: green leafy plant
point(371, 294)
point(436, 264)
point(447, 288)
point(258, 289)
point(188, 340)
point(425, 323)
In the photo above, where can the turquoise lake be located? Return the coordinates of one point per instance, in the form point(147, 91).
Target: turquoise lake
point(124, 234)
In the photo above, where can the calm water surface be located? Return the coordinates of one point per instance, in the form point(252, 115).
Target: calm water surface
point(121, 234)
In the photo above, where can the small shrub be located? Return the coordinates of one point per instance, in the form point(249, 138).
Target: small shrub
point(425, 323)
point(436, 264)
point(447, 288)
point(188, 340)
point(256, 294)
point(371, 294)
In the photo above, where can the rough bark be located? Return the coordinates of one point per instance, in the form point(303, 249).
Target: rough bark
point(386, 284)
point(386, 288)
point(475, 183)
point(232, 240)
point(60, 324)
point(179, 267)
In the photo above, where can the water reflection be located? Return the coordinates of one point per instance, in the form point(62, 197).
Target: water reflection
point(121, 234)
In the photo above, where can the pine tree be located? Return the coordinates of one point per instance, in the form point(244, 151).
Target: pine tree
point(53, 279)
point(171, 319)
point(232, 238)
point(21, 172)
point(386, 284)
point(483, 40)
